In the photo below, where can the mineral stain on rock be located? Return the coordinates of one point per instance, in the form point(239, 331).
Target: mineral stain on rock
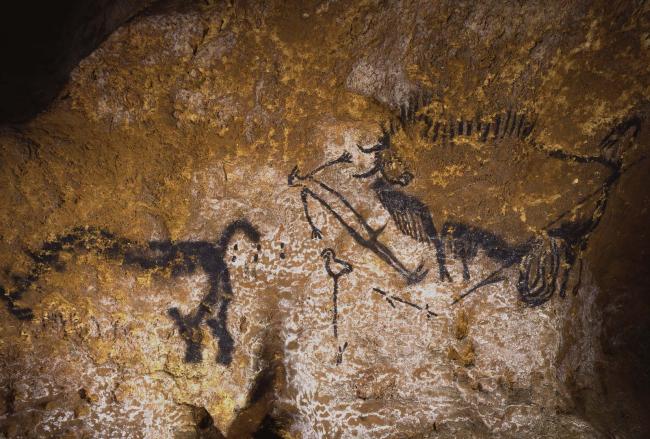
point(332, 219)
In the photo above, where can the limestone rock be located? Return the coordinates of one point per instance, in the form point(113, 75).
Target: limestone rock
point(326, 219)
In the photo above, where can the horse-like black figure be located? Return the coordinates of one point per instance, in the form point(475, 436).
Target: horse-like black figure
point(180, 257)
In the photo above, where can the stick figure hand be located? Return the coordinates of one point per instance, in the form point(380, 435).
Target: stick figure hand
point(316, 233)
point(346, 157)
point(417, 275)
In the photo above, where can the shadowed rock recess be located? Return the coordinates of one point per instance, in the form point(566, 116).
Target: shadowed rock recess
point(327, 219)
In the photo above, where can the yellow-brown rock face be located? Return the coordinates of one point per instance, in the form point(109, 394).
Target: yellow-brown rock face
point(327, 220)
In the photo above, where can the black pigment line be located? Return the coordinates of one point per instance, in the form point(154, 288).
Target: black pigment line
point(406, 302)
point(550, 255)
point(344, 158)
point(557, 249)
point(486, 132)
point(179, 257)
point(371, 232)
point(383, 293)
point(383, 252)
point(493, 277)
point(341, 351)
point(372, 243)
point(521, 123)
point(497, 124)
point(335, 268)
point(435, 132)
point(529, 129)
point(505, 125)
point(410, 214)
point(428, 123)
point(512, 126)
point(392, 297)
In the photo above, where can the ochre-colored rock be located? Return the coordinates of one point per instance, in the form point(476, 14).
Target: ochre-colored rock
point(162, 279)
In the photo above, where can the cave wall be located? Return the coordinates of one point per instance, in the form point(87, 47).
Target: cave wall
point(43, 42)
point(333, 219)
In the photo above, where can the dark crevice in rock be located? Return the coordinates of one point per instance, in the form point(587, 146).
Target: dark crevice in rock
point(268, 429)
point(205, 428)
point(42, 44)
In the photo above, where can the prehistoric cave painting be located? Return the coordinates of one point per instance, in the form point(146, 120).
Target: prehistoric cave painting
point(179, 258)
point(339, 354)
point(336, 269)
point(361, 232)
point(391, 299)
point(507, 124)
point(367, 237)
point(545, 260)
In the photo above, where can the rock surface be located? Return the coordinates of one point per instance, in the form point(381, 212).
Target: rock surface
point(43, 42)
point(161, 277)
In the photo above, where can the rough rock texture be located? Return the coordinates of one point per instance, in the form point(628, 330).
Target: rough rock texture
point(42, 42)
point(469, 275)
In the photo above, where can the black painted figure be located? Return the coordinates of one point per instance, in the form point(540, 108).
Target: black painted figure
point(361, 232)
point(391, 299)
point(339, 354)
point(545, 261)
point(181, 257)
point(336, 268)
point(540, 258)
point(412, 218)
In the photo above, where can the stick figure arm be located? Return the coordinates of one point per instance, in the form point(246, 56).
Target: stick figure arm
point(345, 157)
point(361, 220)
point(348, 228)
point(315, 231)
point(377, 247)
point(567, 156)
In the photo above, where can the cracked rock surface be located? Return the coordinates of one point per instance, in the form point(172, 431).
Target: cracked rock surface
point(404, 219)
